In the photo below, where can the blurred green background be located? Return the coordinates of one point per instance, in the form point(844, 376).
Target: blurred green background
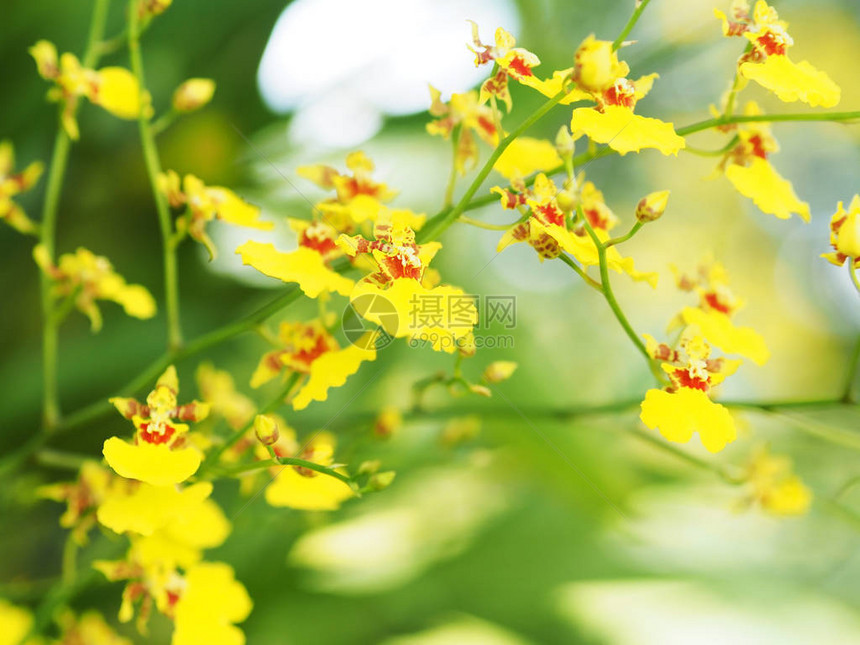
point(539, 530)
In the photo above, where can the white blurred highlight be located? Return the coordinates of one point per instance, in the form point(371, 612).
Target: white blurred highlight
point(370, 59)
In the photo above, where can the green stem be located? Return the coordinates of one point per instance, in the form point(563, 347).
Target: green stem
point(452, 178)
point(828, 433)
point(609, 295)
point(716, 122)
point(61, 460)
point(623, 238)
point(433, 228)
point(713, 153)
point(685, 456)
point(164, 121)
point(591, 282)
point(47, 235)
point(70, 561)
point(733, 92)
point(153, 169)
point(630, 24)
point(242, 469)
point(853, 273)
point(490, 227)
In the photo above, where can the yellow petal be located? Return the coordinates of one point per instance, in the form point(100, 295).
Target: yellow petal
point(318, 492)
point(768, 190)
point(118, 92)
point(15, 623)
point(153, 464)
point(526, 155)
point(303, 266)
point(718, 329)
point(789, 497)
point(551, 86)
point(678, 415)
point(136, 301)
point(147, 508)
point(211, 601)
point(331, 370)
point(234, 210)
point(625, 131)
point(792, 81)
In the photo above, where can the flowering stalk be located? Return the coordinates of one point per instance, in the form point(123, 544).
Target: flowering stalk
point(47, 234)
point(153, 169)
point(452, 178)
point(242, 469)
point(609, 295)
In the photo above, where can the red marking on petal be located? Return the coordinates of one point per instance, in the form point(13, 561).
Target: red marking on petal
point(308, 356)
point(323, 246)
point(758, 146)
point(156, 438)
point(770, 44)
point(550, 214)
point(519, 67)
point(613, 96)
point(713, 301)
point(594, 218)
point(684, 379)
point(487, 125)
point(736, 28)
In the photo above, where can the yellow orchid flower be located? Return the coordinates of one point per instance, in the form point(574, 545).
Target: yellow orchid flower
point(516, 62)
point(526, 155)
point(13, 183)
point(747, 167)
point(211, 602)
point(305, 489)
point(845, 234)
point(309, 349)
point(713, 315)
point(85, 277)
point(203, 204)
point(113, 88)
point(466, 112)
point(546, 228)
point(612, 121)
point(160, 454)
point(358, 196)
point(685, 407)
point(398, 296)
point(774, 487)
point(82, 497)
point(768, 63)
point(309, 265)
